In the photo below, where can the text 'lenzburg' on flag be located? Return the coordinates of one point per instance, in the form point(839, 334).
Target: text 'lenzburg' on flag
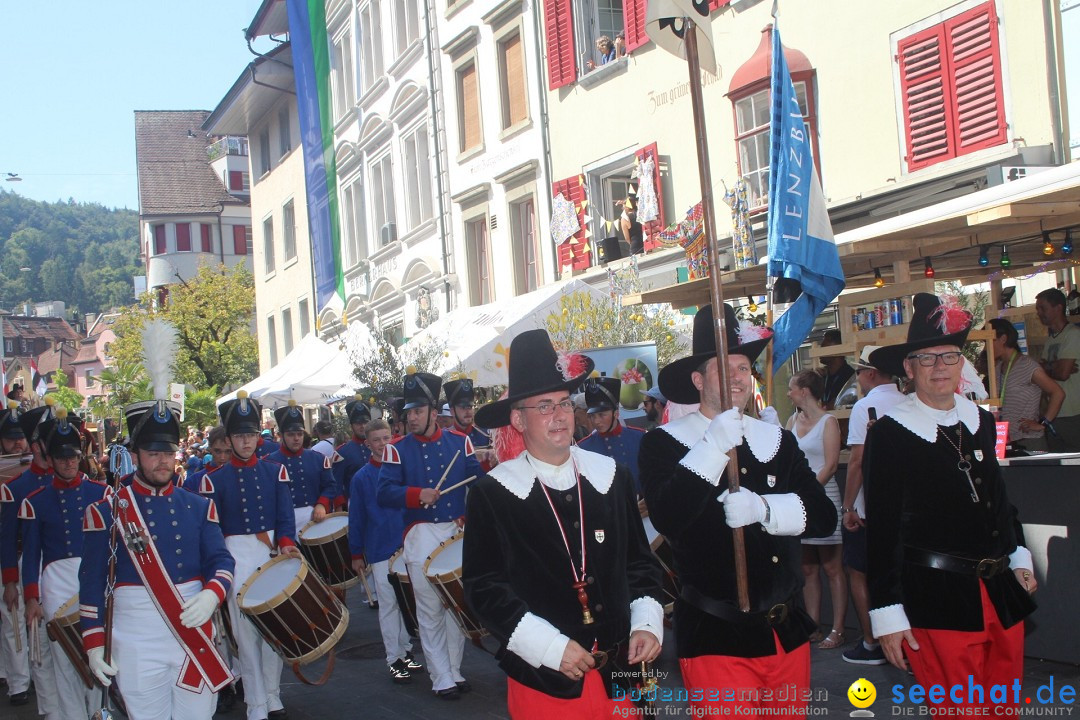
point(801, 246)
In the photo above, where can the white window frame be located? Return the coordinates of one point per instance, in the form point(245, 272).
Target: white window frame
point(381, 209)
point(288, 231)
point(265, 161)
point(342, 73)
point(479, 217)
point(269, 256)
point(354, 242)
point(406, 25)
point(304, 313)
point(373, 61)
point(416, 175)
point(284, 132)
point(589, 25)
point(271, 334)
point(288, 342)
point(518, 242)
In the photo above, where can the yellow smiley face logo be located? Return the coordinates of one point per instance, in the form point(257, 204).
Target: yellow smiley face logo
point(862, 693)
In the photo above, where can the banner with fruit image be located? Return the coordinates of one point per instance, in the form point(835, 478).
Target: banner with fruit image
point(635, 365)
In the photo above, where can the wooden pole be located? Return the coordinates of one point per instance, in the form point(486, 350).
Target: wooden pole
point(769, 348)
point(708, 218)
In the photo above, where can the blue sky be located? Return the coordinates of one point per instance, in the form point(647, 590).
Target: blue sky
point(72, 74)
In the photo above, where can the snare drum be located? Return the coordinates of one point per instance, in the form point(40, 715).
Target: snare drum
point(443, 569)
point(326, 546)
point(399, 580)
point(63, 630)
point(293, 609)
point(663, 553)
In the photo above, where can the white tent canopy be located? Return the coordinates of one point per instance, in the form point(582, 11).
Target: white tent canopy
point(477, 339)
point(314, 373)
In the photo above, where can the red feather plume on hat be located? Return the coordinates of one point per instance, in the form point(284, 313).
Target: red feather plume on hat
point(571, 365)
point(950, 316)
point(507, 440)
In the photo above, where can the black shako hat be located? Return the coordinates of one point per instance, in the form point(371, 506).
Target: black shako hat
point(534, 368)
point(60, 434)
point(31, 420)
point(934, 321)
point(357, 411)
point(289, 418)
point(602, 393)
point(421, 389)
point(459, 391)
point(10, 427)
point(674, 380)
point(240, 415)
point(154, 425)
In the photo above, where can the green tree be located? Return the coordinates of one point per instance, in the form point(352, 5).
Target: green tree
point(123, 384)
point(200, 408)
point(379, 371)
point(65, 396)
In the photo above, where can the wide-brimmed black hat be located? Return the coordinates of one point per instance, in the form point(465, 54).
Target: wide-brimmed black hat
point(240, 415)
point(357, 411)
point(60, 434)
point(31, 420)
point(154, 425)
point(674, 379)
point(9, 422)
point(602, 393)
point(421, 389)
point(534, 368)
point(459, 391)
point(289, 418)
point(934, 321)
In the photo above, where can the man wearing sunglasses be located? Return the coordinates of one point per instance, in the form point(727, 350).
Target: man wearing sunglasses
point(947, 567)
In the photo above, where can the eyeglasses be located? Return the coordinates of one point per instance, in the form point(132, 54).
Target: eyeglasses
point(930, 359)
point(546, 408)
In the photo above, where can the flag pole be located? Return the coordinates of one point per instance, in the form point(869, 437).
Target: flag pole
point(708, 217)
point(769, 349)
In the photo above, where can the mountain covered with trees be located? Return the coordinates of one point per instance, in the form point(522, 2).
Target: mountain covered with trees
point(83, 254)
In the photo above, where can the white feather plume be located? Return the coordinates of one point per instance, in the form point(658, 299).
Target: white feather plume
point(159, 351)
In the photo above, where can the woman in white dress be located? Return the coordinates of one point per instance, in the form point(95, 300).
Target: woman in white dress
point(818, 434)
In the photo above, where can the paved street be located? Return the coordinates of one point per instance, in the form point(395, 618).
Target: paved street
point(360, 686)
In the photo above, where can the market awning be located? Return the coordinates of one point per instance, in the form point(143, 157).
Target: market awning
point(314, 373)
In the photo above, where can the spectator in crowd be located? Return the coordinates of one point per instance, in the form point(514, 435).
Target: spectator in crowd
point(1060, 357)
point(325, 432)
point(1021, 385)
point(606, 48)
point(838, 374)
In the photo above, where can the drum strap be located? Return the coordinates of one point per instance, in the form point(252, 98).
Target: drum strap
point(322, 678)
point(203, 663)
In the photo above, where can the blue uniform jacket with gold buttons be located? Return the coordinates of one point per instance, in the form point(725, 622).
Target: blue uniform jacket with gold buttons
point(52, 519)
point(374, 531)
point(252, 497)
point(311, 476)
point(266, 447)
point(11, 496)
point(621, 444)
point(416, 462)
point(354, 455)
point(191, 482)
point(185, 530)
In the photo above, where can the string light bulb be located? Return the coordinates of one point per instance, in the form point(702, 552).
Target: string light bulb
point(1048, 247)
point(1067, 246)
point(752, 305)
point(1005, 261)
point(928, 270)
point(984, 259)
point(879, 282)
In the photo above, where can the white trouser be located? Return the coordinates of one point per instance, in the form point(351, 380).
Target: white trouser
point(395, 637)
point(15, 664)
point(302, 516)
point(149, 659)
point(59, 583)
point(43, 673)
point(443, 642)
point(260, 666)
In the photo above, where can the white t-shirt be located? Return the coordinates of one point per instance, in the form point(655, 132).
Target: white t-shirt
point(325, 447)
point(882, 398)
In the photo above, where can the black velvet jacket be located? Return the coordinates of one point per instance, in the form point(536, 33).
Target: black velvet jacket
point(515, 562)
point(684, 508)
point(917, 497)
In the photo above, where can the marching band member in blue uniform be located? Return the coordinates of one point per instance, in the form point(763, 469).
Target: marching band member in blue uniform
point(266, 444)
point(354, 453)
point(461, 397)
point(610, 436)
point(14, 659)
point(172, 573)
point(313, 486)
point(52, 547)
point(374, 536)
point(220, 453)
point(411, 468)
point(255, 507)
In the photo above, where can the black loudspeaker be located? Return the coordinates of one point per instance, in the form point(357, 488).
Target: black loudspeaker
point(610, 249)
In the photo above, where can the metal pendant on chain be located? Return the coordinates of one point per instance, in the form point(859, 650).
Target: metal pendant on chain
point(963, 465)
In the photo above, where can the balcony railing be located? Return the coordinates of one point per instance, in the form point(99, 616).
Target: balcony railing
point(227, 146)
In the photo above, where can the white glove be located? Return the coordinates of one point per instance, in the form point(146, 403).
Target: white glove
point(768, 414)
point(198, 609)
point(743, 508)
point(726, 429)
point(102, 670)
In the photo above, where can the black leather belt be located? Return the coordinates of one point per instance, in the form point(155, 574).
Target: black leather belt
point(985, 568)
point(775, 615)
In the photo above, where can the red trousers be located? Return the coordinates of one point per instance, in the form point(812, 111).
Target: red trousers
point(991, 656)
point(524, 703)
point(740, 684)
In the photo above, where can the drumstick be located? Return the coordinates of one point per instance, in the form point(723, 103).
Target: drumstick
point(447, 470)
point(18, 635)
point(34, 638)
point(367, 590)
point(466, 481)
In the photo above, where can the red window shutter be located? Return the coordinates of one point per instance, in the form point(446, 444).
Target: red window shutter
point(575, 251)
point(561, 57)
point(236, 180)
point(239, 235)
point(924, 89)
point(183, 237)
point(159, 240)
point(976, 72)
point(653, 228)
point(634, 21)
point(207, 242)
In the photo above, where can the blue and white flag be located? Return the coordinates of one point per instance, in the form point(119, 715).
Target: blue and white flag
point(801, 247)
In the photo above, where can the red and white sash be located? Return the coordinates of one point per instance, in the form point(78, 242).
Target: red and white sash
point(203, 662)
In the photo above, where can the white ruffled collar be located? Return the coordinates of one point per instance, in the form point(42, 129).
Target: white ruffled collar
point(762, 437)
point(519, 475)
point(923, 420)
